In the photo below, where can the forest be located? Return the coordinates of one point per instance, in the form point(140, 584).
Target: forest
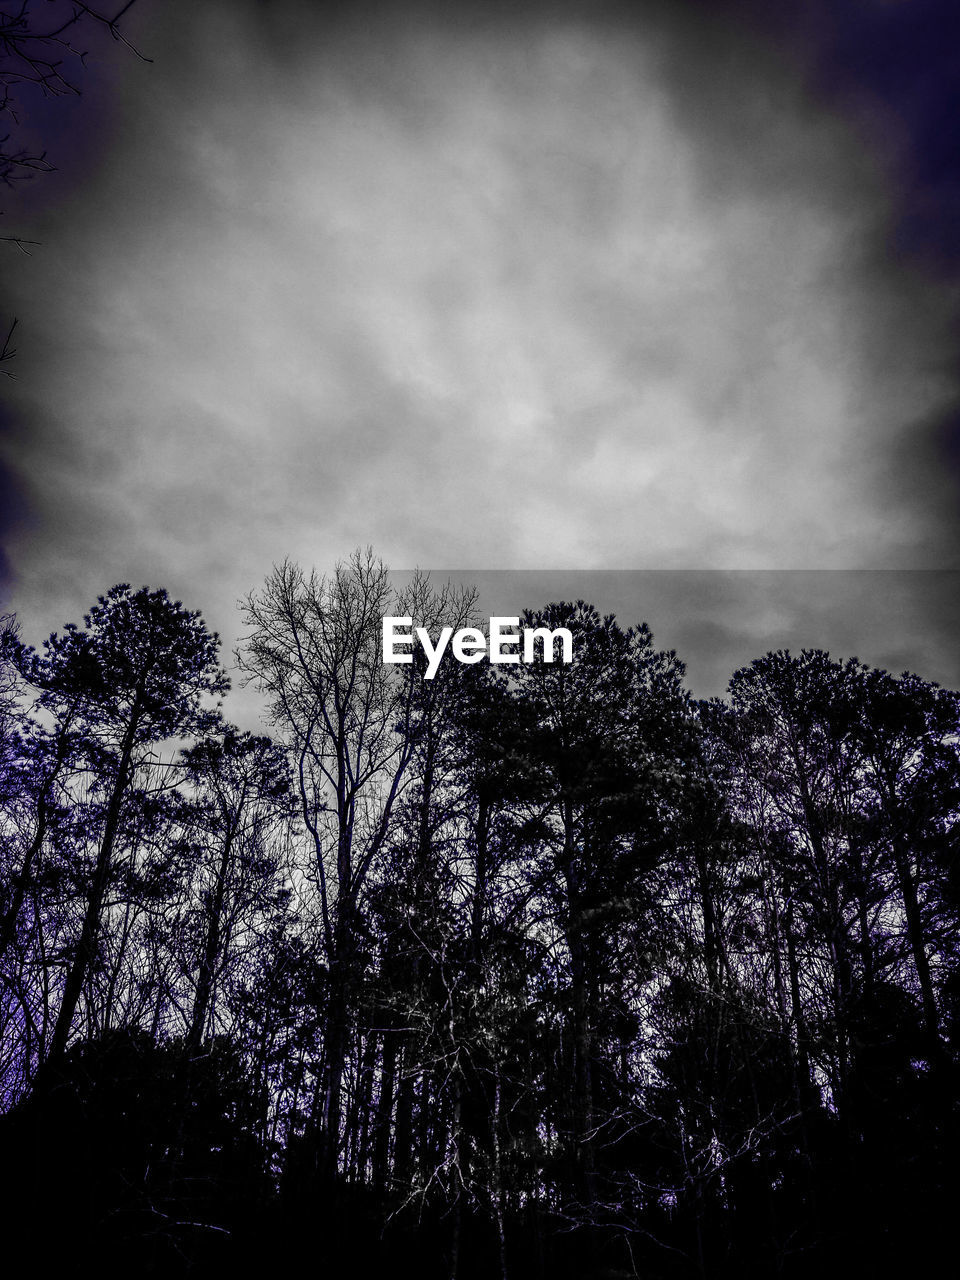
point(548, 970)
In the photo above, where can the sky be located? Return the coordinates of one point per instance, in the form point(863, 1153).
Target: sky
point(662, 287)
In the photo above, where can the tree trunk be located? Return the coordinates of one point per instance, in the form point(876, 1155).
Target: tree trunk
point(211, 950)
point(87, 946)
point(8, 926)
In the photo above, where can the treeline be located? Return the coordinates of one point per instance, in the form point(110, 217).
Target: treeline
point(534, 971)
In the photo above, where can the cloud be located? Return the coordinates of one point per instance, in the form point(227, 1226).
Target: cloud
point(529, 290)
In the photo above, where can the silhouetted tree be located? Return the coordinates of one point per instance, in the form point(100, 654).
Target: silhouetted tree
point(538, 969)
point(138, 673)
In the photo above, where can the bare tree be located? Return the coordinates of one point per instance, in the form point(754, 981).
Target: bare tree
point(352, 724)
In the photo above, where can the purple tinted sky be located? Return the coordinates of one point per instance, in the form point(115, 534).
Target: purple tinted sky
point(528, 287)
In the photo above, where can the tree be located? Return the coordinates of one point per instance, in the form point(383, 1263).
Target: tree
point(241, 787)
point(906, 730)
point(846, 780)
point(529, 970)
point(611, 741)
point(351, 722)
point(41, 54)
point(140, 672)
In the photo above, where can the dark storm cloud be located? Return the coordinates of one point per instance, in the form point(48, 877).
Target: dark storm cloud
point(892, 69)
point(546, 285)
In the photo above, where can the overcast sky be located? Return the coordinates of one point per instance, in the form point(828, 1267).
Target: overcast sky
point(539, 287)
